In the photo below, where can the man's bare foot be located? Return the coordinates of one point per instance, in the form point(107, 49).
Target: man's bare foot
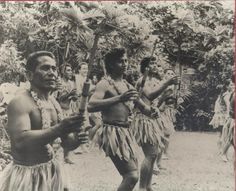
point(68, 161)
point(149, 189)
point(161, 167)
point(224, 158)
point(165, 157)
point(156, 171)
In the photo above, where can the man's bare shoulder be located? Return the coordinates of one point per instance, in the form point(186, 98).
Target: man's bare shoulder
point(21, 103)
point(103, 85)
point(138, 82)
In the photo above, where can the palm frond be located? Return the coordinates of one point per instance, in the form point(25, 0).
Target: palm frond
point(72, 16)
point(94, 14)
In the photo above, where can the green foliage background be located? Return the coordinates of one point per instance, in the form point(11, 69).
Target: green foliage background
point(198, 35)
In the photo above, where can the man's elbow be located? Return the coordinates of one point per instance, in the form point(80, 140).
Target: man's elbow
point(149, 96)
point(90, 108)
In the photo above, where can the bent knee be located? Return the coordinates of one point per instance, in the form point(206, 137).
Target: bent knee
point(151, 157)
point(132, 177)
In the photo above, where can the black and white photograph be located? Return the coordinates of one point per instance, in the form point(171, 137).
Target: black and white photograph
point(117, 95)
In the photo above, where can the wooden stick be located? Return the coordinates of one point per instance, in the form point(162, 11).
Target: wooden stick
point(86, 86)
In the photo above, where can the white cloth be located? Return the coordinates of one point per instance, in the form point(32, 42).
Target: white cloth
point(79, 82)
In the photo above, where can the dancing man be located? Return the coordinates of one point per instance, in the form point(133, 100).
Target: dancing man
point(220, 114)
point(114, 97)
point(148, 131)
point(227, 138)
point(34, 122)
point(166, 103)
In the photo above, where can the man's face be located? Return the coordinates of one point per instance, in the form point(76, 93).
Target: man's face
point(160, 71)
point(152, 67)
point(155, 68)
point(45, 74)
point(68, 72)
point(231, 87)
point(83, 70)
point(121, 65)
point(169, 74)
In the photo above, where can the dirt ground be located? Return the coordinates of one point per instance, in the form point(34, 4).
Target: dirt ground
point(194, 165)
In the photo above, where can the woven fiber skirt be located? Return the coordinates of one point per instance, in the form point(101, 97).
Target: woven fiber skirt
point(148, 130)
point(167, 121)
point(116, 141)
point(41, 177)
point(170, 112)
point(218, 120)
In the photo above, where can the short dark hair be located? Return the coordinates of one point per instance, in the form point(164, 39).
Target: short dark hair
point(32, 59)
point(63, 67)
point(167, 69)
point(112, 57)
point(78, 67)
point(145, 63)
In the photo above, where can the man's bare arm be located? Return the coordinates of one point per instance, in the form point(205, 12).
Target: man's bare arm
point(143, 107)
point(97, 101)
point(19, 128)
point(65, 95)
point(139, 103)
point(152, 94)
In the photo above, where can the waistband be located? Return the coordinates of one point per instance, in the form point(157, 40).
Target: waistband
point(28, 164)
point(116, 125)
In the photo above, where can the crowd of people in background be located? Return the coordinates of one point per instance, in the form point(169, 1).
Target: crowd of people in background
point(223, 119)
point(45, 116)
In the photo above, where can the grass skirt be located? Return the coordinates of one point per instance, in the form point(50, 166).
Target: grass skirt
point(148, 130)
point(170, 112)
point(41, 177)
point(218, 120)
point(116, 140)
point(168, 118)
point(227, 137)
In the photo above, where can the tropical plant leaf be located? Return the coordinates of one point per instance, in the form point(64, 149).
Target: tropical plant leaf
point(73, 16)
point(94, 14)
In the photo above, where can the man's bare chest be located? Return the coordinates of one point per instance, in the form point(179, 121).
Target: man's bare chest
point(39, 116)
point(117, 88)
point(152, 83)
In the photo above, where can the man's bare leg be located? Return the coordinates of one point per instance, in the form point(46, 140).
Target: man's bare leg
point(158, 163)
point(219, 142)
point(129, 172)
point(166, 142)
point(146, 172)
point(224, 156)
point(149, 184)
point(67, 156)
point(158, 160)
point(129, 181)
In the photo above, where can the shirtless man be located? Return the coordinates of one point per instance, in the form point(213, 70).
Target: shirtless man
point(148, 131)
point(114, 97)
point(34, 122)
point(168, 110)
